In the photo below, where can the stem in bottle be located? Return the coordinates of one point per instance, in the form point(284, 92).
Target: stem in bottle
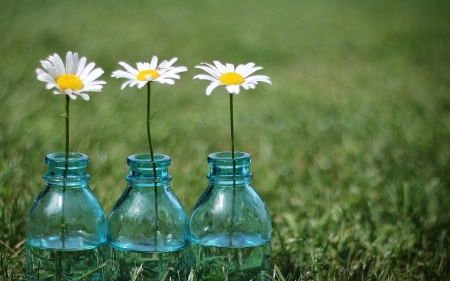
point(234, 170)
point(153, 160)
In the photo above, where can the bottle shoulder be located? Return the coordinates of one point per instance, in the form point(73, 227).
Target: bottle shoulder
point(220, 202)
point(75, 201)
point(140, 202)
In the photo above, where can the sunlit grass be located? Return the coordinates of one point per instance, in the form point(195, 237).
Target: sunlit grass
point(349, 145)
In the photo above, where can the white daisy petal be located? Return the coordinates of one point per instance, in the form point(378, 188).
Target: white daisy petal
point(212, 86)
point(140, 85)
point(75, 64)
point(40, 71)
point(123, 74)
point(124, 84)
point(237, 89)
point(245, 68)
point(166, 81)
point(239, 68)
point(93, 88)
point(80, 66)
point(230, 89)
point(249, 65)
point(93, 75)
point(58, 64)
point(69, 62)
point(167, 64)
point(163, 64)
point(230, 67)
point(45, 77)
point(172, 72)
point(46, 80)
point(154, 62)
point(173, 76)
point(259, 78)
point(84, 96)
point(97, 82)
point(54, 66)
point(211, 71)
point(49, 68)
point(50, 86)
point(129, 68)
point(205, 77)
point(177, 69)
point(222, 68)
point(87, 70)
point(141, 67)
point(247, 72)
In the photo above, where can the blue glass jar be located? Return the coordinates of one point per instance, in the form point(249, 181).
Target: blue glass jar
point(66, 226)
point(148, 227)
point(230, 226)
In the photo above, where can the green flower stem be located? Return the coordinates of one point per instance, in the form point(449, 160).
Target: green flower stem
point(153, 160)
point(66, 171)
point(234, 169)
point(232, 130)
point(148, 124)
point(67, 137)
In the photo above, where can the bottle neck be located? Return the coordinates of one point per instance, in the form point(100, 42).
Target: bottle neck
point(224, 168)
point(145, 171)
point(68, 171)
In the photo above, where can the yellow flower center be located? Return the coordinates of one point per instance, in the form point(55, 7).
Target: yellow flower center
point(142, 74)
point(69, 81)
point(231, 78)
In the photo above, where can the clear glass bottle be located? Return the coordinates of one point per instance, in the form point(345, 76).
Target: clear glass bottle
point(230, 226)
point(148, 227)
point(66, 226)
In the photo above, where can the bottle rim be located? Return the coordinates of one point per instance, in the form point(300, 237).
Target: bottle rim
point(225, 156)
point(75, 159)
point(144, 159)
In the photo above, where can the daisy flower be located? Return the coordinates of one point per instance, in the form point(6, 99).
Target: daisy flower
point(73, 79)
point(163, 73)
point(145, 73)
point(230, 77)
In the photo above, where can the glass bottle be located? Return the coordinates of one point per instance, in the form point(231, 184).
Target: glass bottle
point(66, 226)
point(148, 227)
point(230, 226)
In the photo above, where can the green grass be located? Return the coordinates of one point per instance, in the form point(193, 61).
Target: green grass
point(350, 144)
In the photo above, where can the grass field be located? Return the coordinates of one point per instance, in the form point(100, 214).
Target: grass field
point(350, 143)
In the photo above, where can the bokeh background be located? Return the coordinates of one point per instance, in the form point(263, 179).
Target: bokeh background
point(350, 143)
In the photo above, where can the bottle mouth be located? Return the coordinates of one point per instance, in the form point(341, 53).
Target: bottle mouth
point(76, 168)
point(223, 166)
point(224, 158)
point(144, 160)
point(147, 157)
point(74, 160)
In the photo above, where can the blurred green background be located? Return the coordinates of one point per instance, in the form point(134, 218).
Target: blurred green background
point(350, 143)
